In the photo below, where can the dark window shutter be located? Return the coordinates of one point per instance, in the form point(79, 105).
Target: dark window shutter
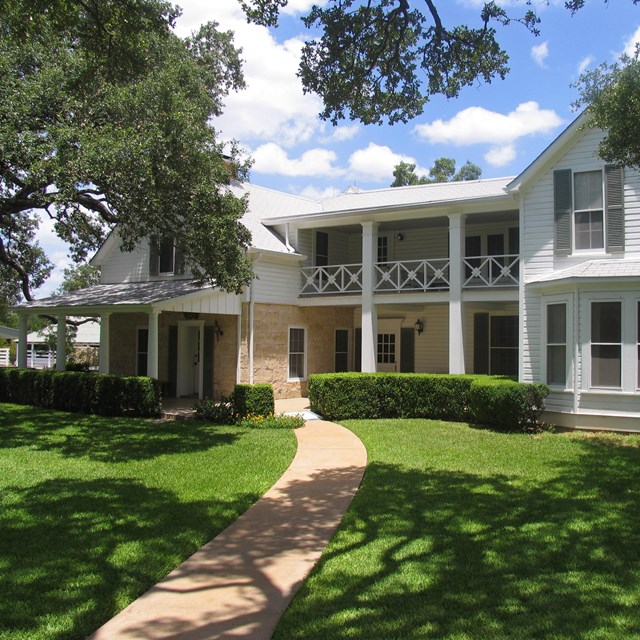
point(154, 255)
point(562, 208)
point(407, 350)
point(614, 197)
point(207, 365)
point(480, 343)
point(178, 268)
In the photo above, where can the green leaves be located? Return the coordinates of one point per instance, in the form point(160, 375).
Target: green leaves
point(105, 119)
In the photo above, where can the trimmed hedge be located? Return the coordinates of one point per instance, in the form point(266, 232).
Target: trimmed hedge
point(101, 394)
point(507, 405)
point(253, 399)
point(498, 401)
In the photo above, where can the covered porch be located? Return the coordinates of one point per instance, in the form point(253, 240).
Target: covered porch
point(182, 334)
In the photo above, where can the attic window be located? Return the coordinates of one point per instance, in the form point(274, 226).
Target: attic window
point(165, 258)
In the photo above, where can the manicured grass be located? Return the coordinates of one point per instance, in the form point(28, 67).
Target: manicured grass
point(467, 534)
point(94, 511)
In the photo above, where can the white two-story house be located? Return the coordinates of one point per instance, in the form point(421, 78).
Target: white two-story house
point(535, 277)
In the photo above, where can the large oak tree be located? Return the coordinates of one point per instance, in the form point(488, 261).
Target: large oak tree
point(105, 119)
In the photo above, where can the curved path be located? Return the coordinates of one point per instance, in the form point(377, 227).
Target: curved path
point(239, 584)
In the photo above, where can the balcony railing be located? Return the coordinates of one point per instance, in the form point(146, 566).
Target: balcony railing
point(491, 271)
point(412, 275)
point(342, 278)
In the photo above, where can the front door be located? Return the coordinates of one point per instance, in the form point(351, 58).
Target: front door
point(388, 346)
point(190, 359)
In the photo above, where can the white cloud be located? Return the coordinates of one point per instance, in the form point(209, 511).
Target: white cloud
point(500, 156)
point(273, 106)
point(375, 163)
point(540, 53)
point(477, 125)
point(271, 158)
point(585, 64)
point(301, 6)
point(341, 133)
point(631, 43)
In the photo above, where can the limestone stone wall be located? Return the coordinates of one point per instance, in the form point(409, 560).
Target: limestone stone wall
point(271, 343)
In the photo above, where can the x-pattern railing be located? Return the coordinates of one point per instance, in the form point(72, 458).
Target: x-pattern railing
point(412, 275)
point(343, 278)
point(491, 271)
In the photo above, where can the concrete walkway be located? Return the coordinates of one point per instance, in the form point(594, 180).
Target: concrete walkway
point(239, 584)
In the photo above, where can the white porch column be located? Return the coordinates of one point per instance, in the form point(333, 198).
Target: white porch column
point(103, 357)
point(369, 314)
point(456, 253)
point(152, 346)
point(22, 340)
point(61, 344)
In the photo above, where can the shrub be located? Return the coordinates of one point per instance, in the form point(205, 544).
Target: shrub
point(507, 405)
point(221, 412)
point(109, 395)
point(491, 400)
point(390, 395)
point(253, 399)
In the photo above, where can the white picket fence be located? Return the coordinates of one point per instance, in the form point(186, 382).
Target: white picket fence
point(4, 358)
point(35, 359)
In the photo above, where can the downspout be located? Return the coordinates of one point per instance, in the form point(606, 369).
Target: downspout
point(251, 313)
point(287, 244)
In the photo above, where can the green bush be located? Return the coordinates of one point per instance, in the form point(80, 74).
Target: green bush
point(218, 412)
point(491, 400)
point(102, 394)
point(507, 405)
point(390, 395)
point(256, 399)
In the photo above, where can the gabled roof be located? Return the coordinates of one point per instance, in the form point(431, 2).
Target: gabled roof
point(550, 155)
point(594, 270)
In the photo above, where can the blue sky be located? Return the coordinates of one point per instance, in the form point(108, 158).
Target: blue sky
point(501, 126)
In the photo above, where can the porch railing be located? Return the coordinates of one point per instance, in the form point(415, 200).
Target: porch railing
point(4, 357)
point(342, 278)
point(412, 275)
point(491, 271)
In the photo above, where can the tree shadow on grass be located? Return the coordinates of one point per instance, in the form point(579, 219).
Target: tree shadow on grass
point(73, 552)
point(107, 439)
point(427, 553)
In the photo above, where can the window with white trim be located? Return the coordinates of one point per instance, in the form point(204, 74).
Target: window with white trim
point(297, 353)
point(606, 344)
point(557, 344)
point(588, 210)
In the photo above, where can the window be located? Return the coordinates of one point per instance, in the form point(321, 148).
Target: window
point(504, 345)
point(341, 361)
point(606, 344)
point(297, 354)
point(588, 211)
point(557, 344)
point(142, 352)
point(386, 349)
point(165, 258)
point(383, 249)
point(322, 249)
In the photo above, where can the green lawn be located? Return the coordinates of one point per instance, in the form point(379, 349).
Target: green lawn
point(93, 511)
point(462, 533)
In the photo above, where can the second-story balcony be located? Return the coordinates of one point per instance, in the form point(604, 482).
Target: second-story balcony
point(407, 276)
